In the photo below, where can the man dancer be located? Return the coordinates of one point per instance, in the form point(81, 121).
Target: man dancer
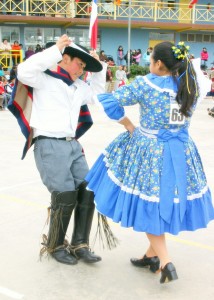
point(58, 95)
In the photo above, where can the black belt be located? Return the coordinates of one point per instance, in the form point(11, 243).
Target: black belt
point(41, 137)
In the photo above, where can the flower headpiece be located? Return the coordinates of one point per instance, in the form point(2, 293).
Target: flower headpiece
point(180, 51)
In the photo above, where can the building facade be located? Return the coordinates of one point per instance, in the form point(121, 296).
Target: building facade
point(134, 24)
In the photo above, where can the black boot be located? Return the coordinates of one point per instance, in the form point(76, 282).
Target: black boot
point(83, 217)
point(62, 205)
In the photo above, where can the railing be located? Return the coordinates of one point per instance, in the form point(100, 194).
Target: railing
point(154, 11)
point(9, 58)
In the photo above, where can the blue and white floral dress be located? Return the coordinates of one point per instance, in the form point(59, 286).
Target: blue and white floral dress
point(152, 180)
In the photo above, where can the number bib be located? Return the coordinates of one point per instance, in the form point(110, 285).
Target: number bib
point(175, 116)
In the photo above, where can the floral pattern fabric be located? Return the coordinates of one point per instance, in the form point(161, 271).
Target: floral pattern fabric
point(126, 178)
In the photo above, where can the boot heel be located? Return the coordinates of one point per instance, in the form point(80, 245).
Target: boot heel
point(168, 273)
point(172, 276)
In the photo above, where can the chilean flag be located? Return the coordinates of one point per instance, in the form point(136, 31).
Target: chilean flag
point(192, 3)
point(93, 25)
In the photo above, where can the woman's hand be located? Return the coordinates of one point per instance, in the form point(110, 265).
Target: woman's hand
point(127, 124)
point(130, 128)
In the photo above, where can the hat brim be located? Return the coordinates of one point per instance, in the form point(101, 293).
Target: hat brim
point(92, 64)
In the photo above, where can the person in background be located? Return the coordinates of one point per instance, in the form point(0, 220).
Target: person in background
point(128, 74)
point(120, 56)
point(13, 72)
point(110, 61)
point(191, 56)
point(131, 57)
point(1, 71)
point(109, 78)
point(16, 53)
point(137, 56)
point(22, 52)
point(59, 108)
point(5, 48)
point(204, 58)
point(108, 7)
point(151, 177)
point(134, 53)
point(2, 92)
point(146, 56)
point(38, 48)
point(8, 87)
point(5, 92)
point(120, 77)
point(29, 52)
point(102, 56)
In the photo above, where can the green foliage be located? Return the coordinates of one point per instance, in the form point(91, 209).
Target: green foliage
point(113, 70)
point(135, 70)
point(138, 70)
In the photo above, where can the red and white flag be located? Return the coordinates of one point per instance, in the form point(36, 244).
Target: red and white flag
point(192, 2)
point(93, 25)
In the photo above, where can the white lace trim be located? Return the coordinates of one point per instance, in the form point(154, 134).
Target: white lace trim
point(145, 197)
point(171, 92)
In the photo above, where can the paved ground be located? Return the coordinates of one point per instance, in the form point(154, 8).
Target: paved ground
point(23, 203)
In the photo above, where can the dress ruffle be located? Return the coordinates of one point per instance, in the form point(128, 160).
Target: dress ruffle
point(152, 180)
point(127, 190)
point(114, 112)
point(131, 211)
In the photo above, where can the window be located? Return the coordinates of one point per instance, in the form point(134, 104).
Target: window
point(183, 37)
point(11, 34)
point(161, 36)
point(51, 34)
point(199, 38)
point(191, 37)
point(207, 38)
point(80, 36)
point(34, 36)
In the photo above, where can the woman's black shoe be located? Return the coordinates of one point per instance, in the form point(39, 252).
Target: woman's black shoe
point(168, 273)
point(153, 263)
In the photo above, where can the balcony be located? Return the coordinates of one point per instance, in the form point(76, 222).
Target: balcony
point(144, 14)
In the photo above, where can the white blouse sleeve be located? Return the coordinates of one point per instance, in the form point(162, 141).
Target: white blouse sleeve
point(204, 83)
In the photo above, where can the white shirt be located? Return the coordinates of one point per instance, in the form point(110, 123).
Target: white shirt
point(56, 105)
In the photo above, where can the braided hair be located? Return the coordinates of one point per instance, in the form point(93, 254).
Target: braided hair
point(176, 60)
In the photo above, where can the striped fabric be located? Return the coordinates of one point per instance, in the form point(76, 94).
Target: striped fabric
point(20, 105)
point(93, 25)
point(192, 3)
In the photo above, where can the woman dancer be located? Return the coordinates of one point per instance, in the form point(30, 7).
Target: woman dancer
point(151, 177)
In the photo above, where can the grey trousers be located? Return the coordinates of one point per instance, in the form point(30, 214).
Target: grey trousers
point(61, 164)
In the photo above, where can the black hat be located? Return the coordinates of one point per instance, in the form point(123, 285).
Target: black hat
point(92, 64)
